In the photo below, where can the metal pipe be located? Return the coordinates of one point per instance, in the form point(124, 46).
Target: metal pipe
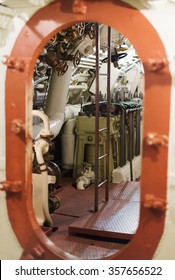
point(133, 132)
point(41, 147)
point(103, 156)
point(56, 103)
point(40, 80)
point(133, 110)
point(82, 86)
point(114, 151)
point(130, 143)
point(123, 139)
point(87, 63)
point(46, 128)
point(138, 119)
point(86, 66)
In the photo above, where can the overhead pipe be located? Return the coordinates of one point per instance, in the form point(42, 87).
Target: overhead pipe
point(57, 99)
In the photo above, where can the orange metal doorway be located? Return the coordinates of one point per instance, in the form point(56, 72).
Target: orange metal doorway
point(35, 34)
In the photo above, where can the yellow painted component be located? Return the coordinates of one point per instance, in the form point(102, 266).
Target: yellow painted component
point(85, 144)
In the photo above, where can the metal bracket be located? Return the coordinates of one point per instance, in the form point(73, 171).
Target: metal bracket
point(17, 63)
point(79, 7)
point(156, 65)
point(11, 186)
point(17, 126)
point(154, 139)
point(156, 203)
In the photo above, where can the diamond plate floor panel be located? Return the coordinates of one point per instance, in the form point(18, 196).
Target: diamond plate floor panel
point(118, 218)
point(81, 247)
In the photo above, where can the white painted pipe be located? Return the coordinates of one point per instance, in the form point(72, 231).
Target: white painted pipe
point(58, 91)
point(82, 86)
point(88, 60)
point(71, 111)
point(68, 144)
point(56, 102)
point(56, 124)
point(80, 185)
point(41, 147)
point(81, 75)
point(82, 63)
point(45, 128)
point(85, 180)
point(85, 66)
point(82, 182)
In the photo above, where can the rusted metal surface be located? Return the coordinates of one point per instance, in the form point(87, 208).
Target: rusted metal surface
point(29, 43)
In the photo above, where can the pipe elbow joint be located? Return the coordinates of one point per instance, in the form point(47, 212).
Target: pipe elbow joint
point(82, 182)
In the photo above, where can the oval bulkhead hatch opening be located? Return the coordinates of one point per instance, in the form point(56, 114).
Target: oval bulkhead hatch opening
point(84, 158)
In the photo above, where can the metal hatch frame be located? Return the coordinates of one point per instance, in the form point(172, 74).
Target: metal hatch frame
point(36, 32)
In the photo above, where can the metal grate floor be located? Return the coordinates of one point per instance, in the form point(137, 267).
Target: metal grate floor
point(117, 218)
point(90, 235)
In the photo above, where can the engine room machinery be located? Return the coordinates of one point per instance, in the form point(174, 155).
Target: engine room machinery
point(67, 67)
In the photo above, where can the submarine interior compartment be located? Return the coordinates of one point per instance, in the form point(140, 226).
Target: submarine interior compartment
point(88, 84)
